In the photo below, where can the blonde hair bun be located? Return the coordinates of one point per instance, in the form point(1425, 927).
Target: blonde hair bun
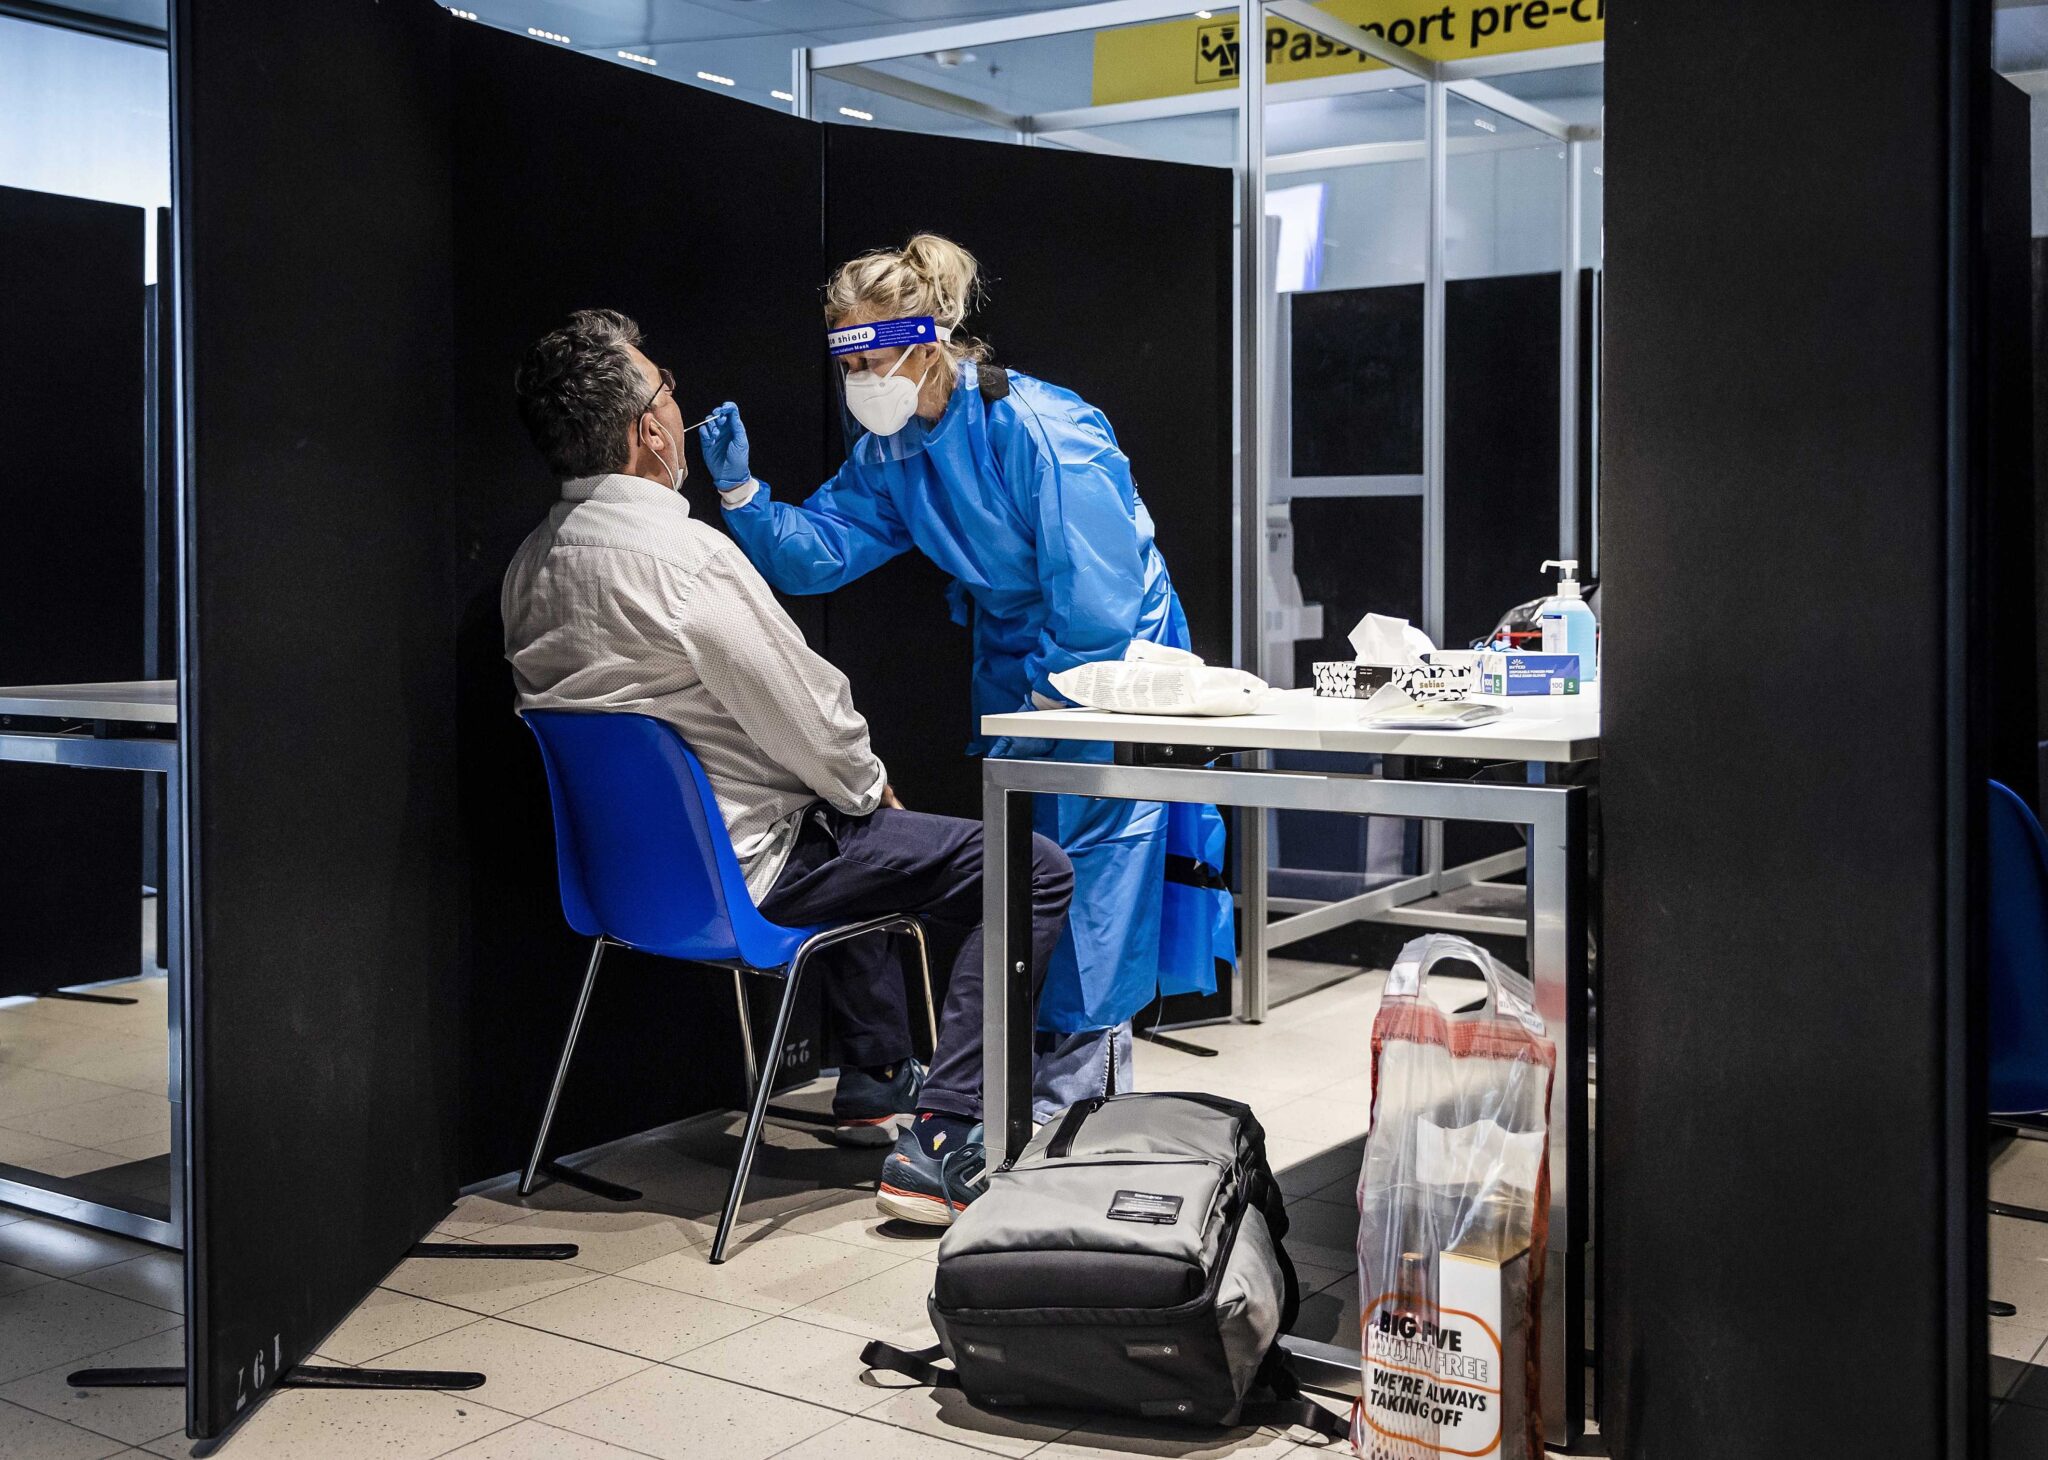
point(928, 275)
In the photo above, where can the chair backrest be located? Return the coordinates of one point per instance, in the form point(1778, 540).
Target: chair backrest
point(641, 846)
point(2018, 955)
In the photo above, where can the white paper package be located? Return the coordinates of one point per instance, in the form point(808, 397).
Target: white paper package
point(1156, 680)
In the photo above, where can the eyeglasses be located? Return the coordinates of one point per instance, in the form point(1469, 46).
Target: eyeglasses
point(668, 383)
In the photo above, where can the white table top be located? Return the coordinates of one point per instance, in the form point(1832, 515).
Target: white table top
point(1537, 728)
point(145, 701)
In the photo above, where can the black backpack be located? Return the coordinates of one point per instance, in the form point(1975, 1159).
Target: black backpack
point(1128, 1262)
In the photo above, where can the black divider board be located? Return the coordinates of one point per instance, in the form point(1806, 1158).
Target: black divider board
point(1786, 1154)
point(2013, 631)
point(71, 433)
point(1355, 381)
point(314, 242)
point(1081, 293)
point(575, 187)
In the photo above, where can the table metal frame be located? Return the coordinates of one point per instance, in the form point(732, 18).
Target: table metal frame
point(114, 749)
point(1555, 819)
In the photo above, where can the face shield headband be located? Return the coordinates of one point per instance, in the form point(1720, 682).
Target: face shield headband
point(886, 334)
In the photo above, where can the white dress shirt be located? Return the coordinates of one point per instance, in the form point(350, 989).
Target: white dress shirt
point(623, 601)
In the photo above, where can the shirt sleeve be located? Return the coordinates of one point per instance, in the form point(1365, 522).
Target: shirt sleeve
point(846, 528)
point(794, 704)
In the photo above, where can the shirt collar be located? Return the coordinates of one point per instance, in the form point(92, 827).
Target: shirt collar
point(617, 486)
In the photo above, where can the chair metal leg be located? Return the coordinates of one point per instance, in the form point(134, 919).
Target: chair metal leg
point(758, 1107)
point(924, 967)
point(536, 1163)
point(753, 1066)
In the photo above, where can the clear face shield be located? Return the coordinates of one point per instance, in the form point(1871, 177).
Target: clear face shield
point(878, 402)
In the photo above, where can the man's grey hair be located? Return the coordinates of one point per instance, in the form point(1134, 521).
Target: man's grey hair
point(580, 393)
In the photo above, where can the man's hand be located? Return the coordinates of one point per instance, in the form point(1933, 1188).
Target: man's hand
point(891, 800)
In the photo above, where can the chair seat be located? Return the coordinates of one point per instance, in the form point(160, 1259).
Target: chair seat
point(771, 954)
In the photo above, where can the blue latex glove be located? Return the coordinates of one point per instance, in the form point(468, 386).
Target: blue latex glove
point(724, 442)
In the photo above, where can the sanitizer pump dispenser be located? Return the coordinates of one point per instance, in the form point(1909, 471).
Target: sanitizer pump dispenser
point(1568, 624)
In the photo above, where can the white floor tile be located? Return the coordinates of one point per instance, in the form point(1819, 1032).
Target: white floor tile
point(385, 1321)
point(799, 1360)
point(132, 1416)
point(485, 1211)
point(19, 1148)
point(865, 1439)
point(636, 1318)
point(120, 1116)
point(62, 1250)
point(882, 1306)
point(26, 1091)
point(2019, 1267)
point(53, 1323)
point(140, 1148)
point(26, 1435)
point(677, 1415)
point(1110, 1439)
point(532, 1440)
point(483, 1286)
point(1318, 1120)
point(354, 1424)
point(855, 1219)
point(156, 1278)
point(74, 1161)
point(772, 1273)
point(2019, 1174)
point(607, 1241)
point(526, 1370)
point(2012, 1339)
point(946, 1415)
point(13, 1279)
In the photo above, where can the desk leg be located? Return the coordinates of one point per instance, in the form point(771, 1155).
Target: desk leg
point(1557, 958)
point(1252, 853)
point(1007, 1015)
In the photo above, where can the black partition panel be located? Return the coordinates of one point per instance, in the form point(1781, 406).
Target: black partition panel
point(1110, 276)
point(71, 600)
point(1789, 1159)
point(573, 190)
point(313, 268)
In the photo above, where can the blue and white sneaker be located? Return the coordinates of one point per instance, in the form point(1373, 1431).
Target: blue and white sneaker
point(865, 1109)
point(929, 1186)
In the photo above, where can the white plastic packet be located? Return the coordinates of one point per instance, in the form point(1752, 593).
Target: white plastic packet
point(1153, 679)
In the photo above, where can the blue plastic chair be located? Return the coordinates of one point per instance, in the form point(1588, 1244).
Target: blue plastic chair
point(646, 864)
point(2018, 952)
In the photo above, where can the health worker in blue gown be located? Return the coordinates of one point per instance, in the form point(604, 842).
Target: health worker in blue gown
point(1016, 488)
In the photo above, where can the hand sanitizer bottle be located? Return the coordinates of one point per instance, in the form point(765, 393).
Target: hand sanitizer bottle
point(1568, 624)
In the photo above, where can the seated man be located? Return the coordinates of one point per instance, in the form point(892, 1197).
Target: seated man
point(622, 601)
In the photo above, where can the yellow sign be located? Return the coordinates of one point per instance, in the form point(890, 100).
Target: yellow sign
point(1175, 57)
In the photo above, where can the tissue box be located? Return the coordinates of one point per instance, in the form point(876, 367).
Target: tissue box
point(1528, 674)
point(1340, 679)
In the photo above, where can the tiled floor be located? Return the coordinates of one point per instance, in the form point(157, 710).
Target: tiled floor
point(82, 1085)
point(639, 1348)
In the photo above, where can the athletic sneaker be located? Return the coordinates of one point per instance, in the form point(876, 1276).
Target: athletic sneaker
point(928, 1180)
point(866, 1106)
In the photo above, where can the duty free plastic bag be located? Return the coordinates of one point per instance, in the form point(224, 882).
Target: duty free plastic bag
point(1453, 1196)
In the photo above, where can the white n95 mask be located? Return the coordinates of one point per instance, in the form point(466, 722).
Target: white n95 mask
point(884, 403)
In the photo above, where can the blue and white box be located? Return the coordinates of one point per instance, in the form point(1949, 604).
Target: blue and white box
point(1528, 674)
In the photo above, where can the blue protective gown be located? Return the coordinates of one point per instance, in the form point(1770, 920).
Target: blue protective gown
point(1029, 504)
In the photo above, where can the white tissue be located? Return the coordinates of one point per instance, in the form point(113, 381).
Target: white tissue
point(1380, 639)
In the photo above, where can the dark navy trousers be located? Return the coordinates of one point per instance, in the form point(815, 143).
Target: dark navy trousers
point(844, 868)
